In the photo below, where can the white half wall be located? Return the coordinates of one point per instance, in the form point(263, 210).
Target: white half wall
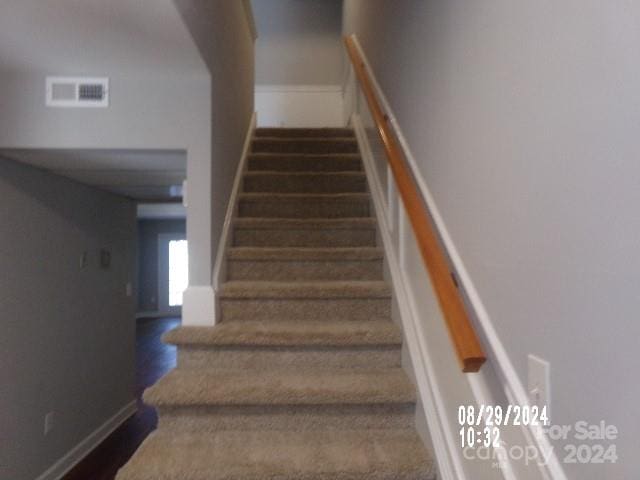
point(299, 105)
point(225, 40)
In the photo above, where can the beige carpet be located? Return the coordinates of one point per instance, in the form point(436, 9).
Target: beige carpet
point(302, 379)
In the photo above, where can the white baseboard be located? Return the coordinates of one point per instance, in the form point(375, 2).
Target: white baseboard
point(81, 450)
point(299, 105)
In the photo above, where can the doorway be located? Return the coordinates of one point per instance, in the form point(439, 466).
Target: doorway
point(173, 272)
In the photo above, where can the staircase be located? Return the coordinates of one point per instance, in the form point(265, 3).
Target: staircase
point(302, 379)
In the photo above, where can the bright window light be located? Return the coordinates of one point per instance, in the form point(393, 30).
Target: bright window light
point(178, 271)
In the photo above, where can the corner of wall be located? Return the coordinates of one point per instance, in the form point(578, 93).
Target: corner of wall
point(251, 21)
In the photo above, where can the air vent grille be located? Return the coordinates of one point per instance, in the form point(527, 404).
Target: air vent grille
point(77, 92)
point(91, 92)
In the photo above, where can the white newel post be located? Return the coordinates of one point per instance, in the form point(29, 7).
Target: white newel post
point(198, 304)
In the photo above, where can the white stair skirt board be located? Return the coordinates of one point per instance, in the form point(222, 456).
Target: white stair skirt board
point(82, 449)
point(498, 360)
point(219, 267)
point(299, 105)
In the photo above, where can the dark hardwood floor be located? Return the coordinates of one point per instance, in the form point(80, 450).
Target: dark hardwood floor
point(153, 359)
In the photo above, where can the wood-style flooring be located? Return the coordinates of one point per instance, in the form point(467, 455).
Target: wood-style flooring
point(153, 359)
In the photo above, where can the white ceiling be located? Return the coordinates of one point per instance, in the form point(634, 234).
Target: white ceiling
point(86, 36)
point(144, 175)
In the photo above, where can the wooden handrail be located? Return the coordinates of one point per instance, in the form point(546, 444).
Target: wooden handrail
point(465, 340)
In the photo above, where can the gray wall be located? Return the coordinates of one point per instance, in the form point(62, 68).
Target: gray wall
point(148, 231)
point(523, 118)
point(172, 113)
point(221, 32)
point(68, 333)
point(299, 42)
point(159, 90)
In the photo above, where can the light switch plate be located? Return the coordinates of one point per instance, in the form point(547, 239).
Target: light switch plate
point(539, 384)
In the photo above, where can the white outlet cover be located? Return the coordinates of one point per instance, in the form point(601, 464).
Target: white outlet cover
point(539, 382)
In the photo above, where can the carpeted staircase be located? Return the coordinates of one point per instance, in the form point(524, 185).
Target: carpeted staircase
point(302, 379)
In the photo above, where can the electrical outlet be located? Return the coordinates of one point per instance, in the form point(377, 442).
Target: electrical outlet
point(539, 384)
point(49, 422)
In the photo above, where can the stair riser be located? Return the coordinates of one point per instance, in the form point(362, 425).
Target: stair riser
point(297, 208)
point(304, 238)
point(304, 270)
point(304, 132)
point(305, 183)
point(306, 309)
point(312, 147)
point(288, 417)
point(242, 358)
point(304, 164)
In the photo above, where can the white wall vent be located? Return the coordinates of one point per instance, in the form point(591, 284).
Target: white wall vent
point(77, 92)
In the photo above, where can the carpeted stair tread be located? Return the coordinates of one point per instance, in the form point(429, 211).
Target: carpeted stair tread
point(304, 197)
point(292, 162)
point(303, 173)
point(188, 387)
point(304, 182)
point(304, 145)
point(302, 141)
point(281, 455)
point(301, 378)
point(305, 253)
point(252, 231)
point(260, 263)
point(288, 333)
point(304, 132)
point(306, 223)
point(304, 205)
point(296, 290)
